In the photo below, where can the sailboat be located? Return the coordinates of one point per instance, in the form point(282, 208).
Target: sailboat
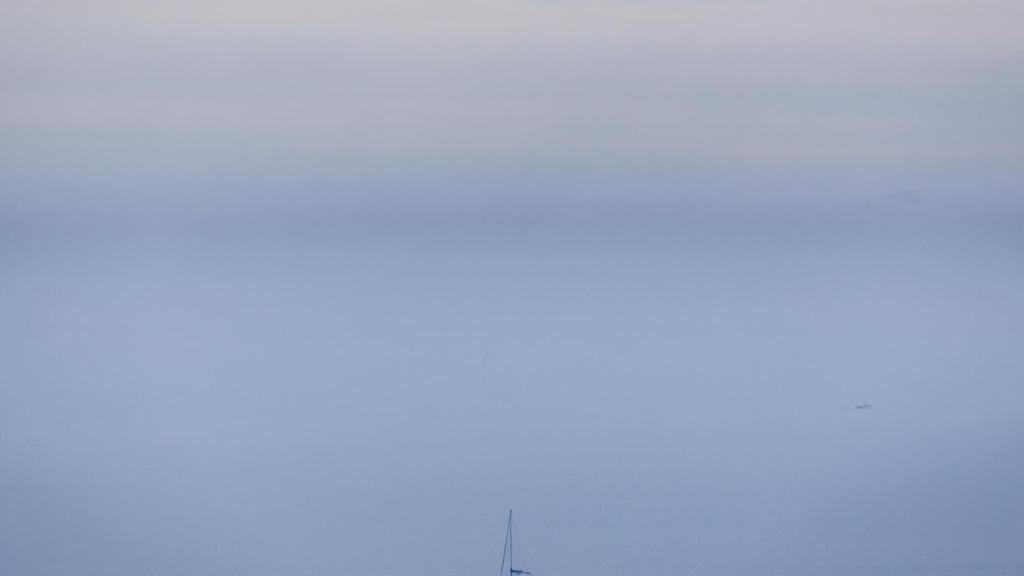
point(506, 554)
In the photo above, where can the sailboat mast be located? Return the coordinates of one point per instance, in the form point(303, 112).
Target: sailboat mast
point(510, 571)
point(506, 553)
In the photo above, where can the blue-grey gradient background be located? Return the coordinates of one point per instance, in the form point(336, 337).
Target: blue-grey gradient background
point(325, 287)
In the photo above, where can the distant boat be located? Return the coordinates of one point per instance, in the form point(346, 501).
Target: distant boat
point(863, 406)
point(506, 554)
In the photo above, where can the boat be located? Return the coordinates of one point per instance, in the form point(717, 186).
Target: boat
point(506, 554)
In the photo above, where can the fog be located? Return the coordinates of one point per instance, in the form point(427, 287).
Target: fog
point(307, 400)
point(328, 288)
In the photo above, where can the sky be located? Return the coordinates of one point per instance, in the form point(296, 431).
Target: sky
point(321, 287)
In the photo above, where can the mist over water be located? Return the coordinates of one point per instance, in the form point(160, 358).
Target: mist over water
point(327, 287)
point(271, 396)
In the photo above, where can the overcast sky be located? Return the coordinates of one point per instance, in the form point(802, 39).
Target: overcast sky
point(326, 287)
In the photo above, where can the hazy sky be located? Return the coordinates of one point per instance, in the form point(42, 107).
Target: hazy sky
point(326, 287)
point(199, 104)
